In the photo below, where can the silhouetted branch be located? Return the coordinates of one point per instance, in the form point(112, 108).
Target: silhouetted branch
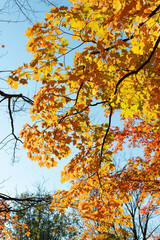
point(140, 68)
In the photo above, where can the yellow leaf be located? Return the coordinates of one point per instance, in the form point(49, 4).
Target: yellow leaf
point(127, 113)
point(95, 90)
point(117, 4)
point(36, 76)
point(27, 233)
point(62, 50)
point(48, 15)
point(14, 85)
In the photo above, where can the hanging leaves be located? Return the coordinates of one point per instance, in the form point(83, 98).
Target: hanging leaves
point(114, 65)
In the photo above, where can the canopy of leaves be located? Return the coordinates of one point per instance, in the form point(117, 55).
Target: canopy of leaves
point(116, 66)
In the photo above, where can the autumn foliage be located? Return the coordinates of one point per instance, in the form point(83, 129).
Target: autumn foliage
point(6, 219)
point(96, 55)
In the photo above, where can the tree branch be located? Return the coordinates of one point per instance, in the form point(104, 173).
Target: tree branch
point(132, 36)
point(140, 68)
point(9, 98)
point(104, 139)
point(30, 199)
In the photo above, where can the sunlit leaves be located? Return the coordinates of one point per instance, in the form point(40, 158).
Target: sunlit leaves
point(116, 68)
point(12, 83)
point(137, 47)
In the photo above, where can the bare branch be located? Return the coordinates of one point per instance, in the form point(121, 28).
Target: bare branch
point(30, 199)
point(11, 118)
point(9, 97)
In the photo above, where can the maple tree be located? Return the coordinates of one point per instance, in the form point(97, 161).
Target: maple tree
point(115, 67)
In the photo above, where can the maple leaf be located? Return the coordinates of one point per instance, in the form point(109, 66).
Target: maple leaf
point(27, 233)
point(114, 68)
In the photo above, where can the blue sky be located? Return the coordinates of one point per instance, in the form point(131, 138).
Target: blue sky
point(24, 174)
